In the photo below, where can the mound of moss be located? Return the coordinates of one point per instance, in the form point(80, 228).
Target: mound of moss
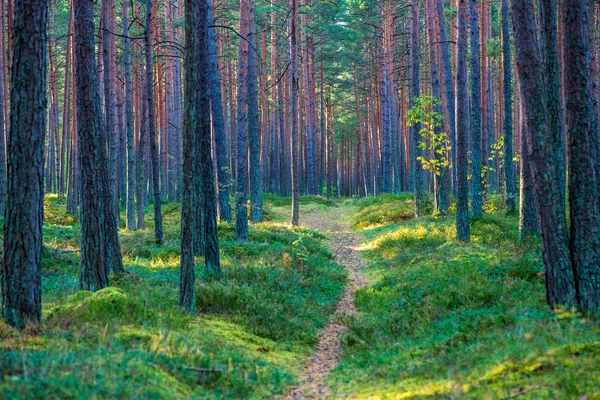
point(101, 306)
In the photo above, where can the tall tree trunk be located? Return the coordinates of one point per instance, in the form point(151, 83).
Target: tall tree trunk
point(110, 122)
point(21, 269)
point(2, 121)
point(448, 85)
point(97, 256)
point(158, 229)
point(241, 220)
point(476, 184)
point(545, 160)
point(528, 212)
point(462, 110)
point(583, 157)
point(415, 91)
point(142, 153)
point(295, 137)
point(439, 175)
point(218, 124)
point(130, 206)
point(254, 125)
point(549, 29)
point(509, 169)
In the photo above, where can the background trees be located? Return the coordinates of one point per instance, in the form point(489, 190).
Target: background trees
point(313, 98)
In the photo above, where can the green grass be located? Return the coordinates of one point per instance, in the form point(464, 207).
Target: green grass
point(256, 323)
point(453, 320)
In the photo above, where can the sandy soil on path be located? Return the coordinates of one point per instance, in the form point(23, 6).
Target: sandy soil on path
point(343, 243)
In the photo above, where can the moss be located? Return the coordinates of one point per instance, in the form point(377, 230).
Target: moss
point(100, 306)
point(6, 331)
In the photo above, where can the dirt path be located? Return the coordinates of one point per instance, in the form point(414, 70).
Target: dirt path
point(335, 223)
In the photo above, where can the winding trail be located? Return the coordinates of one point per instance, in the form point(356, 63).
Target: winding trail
point(334, 222)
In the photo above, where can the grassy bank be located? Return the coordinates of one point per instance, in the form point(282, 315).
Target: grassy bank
point(452, 320)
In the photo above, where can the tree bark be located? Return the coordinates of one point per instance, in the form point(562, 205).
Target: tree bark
point(158, 228)
point(509, 169)
point(98, 255)
point(545, 160)
point(130, 206)
point(583, 157)
point(241, 220)
point(218, 125)
point(254, 142)
point(476, 184)
point(21, 269)
point(462, 109)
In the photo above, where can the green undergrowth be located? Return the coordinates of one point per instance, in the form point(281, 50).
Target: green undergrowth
point(452, 320)
point(255, 325)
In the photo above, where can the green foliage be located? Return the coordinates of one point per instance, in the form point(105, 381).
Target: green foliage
point(422, 112)
point(256, 325)
point(447, 319)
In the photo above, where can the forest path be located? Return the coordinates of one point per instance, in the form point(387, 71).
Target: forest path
point(344, 244)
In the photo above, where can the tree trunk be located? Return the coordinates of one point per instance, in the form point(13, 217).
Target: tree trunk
point(415, 91)
point(295, 137)
point(241, 220)
point(439, 176)
point(96, 245)
point(545, 160)
point(21, 269)
point(158, 229)
point(509, 169)
point(130, 206)
point(528, 212)
point(254, 125)
point(218, 124)
point(448, 85)
point(462, 110)
point(582, 150)
point(476, 184)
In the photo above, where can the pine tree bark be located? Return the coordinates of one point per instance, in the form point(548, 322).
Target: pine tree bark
point(545, 160)
point(158, 228)
point(509, 169)
point(130, 206)
point(295, 137)
point(218, 125)
point(528, 212)
point(2, 121)
point(448, 85)
point(241, 220)
point(110, 121)
point(254, 142)
point(462, 109)
point(582, 149)
point(549, 29)
point(98, 255)
point(439, 176)
point(476, 184)
point(21, 269)
point(415, 91)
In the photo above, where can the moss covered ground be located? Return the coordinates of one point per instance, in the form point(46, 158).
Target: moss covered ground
point(442, 319)
point(256, 325)
point(438, 319)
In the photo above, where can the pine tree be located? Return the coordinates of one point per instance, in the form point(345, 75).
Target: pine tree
point(21, 269)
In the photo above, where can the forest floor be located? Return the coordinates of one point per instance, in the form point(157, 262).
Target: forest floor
point(362, 301)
